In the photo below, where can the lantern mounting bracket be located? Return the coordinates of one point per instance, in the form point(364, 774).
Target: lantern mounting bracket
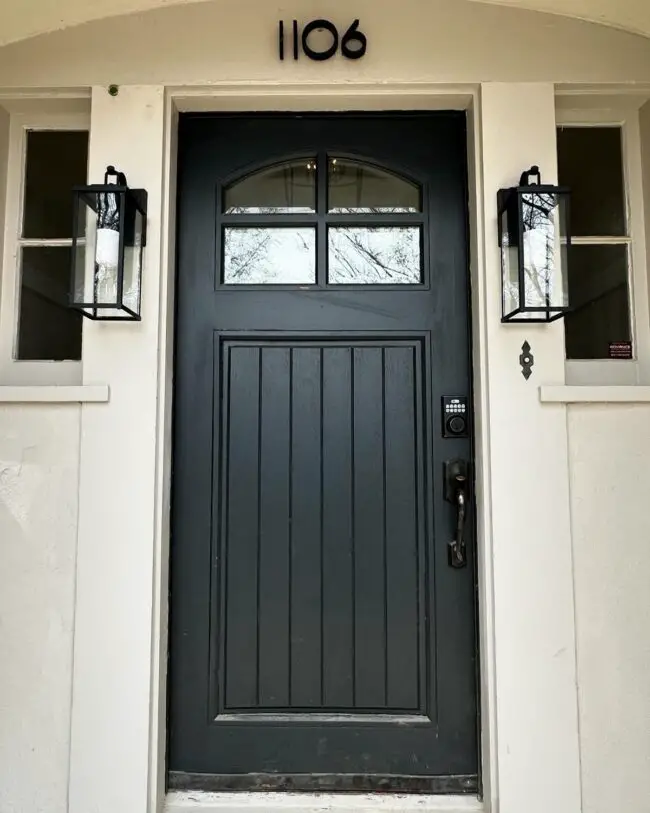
point(111, 172)
point(524, 179)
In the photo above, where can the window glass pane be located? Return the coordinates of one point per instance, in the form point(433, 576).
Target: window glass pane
point(590, 161)
point(47, 328)
point(356, 188)
point(598, 290)
point(269, 256)
point(56, 161)
point(374, 255)
point(288, 188)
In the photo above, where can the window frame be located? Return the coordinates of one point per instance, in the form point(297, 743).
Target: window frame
point(619, 371)
point(15, 371)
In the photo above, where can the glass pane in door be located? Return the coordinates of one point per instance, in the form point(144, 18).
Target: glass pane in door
point(286, 188)
point(354, 187)
point(374, 255)
point(269, 256)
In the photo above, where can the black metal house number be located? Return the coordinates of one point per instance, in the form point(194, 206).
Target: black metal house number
point(353, 43)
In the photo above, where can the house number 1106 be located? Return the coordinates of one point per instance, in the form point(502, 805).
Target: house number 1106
point(353, 43)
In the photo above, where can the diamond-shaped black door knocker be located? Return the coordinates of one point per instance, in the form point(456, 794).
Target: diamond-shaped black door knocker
point(526, 359)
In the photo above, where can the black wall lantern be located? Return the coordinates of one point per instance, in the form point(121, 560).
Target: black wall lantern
point(534, 240)
point(108, 240)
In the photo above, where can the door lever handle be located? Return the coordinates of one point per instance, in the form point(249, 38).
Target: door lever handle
point(456, 493)
point(457, 557)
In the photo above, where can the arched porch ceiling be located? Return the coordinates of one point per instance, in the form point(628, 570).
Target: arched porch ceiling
point(20, 19)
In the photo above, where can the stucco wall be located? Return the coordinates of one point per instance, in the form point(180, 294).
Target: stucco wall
point(39, 456)
point(433, 41)
point(610, 489)
point(20, 19)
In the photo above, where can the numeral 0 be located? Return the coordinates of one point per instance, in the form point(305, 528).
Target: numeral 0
point(353, 41)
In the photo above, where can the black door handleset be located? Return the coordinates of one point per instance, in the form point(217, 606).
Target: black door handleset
point(457, 493)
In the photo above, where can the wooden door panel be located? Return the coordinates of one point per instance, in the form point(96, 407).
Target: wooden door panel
point(320, 548)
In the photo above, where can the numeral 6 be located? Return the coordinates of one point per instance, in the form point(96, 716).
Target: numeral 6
point(353, 35)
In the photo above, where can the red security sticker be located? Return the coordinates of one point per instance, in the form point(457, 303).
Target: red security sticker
point(620, 350)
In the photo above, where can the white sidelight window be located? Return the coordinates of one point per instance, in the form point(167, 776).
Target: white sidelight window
point(40, 336)
point(607, 335)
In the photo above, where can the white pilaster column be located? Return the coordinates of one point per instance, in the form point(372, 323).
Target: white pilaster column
point(112, 686)
point(526, 473)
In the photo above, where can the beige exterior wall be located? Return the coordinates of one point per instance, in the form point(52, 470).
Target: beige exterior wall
point(27, 18)
point(39, 464)
point(610, 482)
point(413, 48)
point(437, 41)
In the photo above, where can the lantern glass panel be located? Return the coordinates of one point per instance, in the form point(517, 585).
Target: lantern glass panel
point(544, 251)
point(84, 251)
point(509, 263)
point(107, 248)
point(133, 252)
point(97, 249)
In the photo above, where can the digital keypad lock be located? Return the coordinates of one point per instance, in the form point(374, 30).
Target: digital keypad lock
point(455, 416)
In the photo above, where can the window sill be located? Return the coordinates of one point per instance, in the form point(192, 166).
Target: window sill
point(635, 394)
point(260, 802)
point(85, 394)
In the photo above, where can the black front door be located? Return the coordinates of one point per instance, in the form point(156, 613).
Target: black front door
point(320, 638)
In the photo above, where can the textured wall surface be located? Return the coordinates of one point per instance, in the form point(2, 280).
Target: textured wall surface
point(415, 41)
point(610, 476)
point(25, 18)
point(39, 447)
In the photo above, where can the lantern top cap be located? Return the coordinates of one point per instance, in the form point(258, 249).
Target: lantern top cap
point(111, 172)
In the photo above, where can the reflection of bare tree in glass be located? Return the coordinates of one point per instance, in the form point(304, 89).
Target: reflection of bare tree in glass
point(389, 254)
point(538, 209)
point(539, 237)
point(245, 248)
point(357, 254)
point(258, 255)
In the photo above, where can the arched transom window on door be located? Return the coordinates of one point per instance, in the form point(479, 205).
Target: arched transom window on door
point(320, 221)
